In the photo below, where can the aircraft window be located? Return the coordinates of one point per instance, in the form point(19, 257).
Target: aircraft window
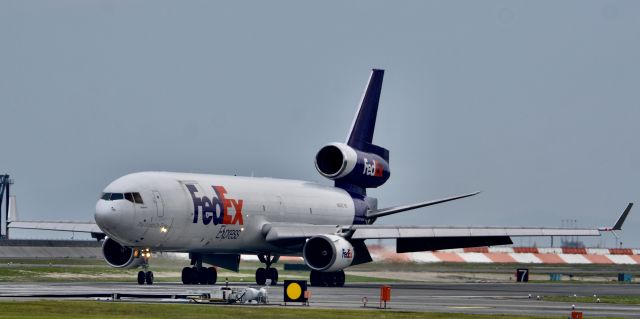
point(106, 196)
point(137, 198)
point(128, 196)
point(117, 196)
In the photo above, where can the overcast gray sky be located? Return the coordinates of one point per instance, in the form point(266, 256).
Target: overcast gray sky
point(535, 103)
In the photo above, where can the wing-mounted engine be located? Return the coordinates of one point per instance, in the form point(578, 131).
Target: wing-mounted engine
point(328, 253)
point(344, 164)
point(119, 256)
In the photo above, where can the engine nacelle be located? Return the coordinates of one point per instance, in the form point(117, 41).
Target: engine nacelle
point(119, 256)
point(340, 162)
point(336, 160)
point(328, 253)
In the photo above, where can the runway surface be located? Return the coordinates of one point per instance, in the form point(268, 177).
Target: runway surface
point(492, 298)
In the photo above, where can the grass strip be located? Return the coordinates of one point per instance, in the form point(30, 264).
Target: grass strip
point(95, 309)
point(622, 300)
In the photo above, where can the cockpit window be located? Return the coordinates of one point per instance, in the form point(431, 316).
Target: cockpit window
point(132, 197)
point(137, 198)
point(116, 196)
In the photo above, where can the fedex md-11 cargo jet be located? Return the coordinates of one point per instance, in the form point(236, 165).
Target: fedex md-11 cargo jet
point(217, 218)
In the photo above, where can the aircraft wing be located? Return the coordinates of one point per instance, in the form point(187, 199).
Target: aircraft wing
point(428, 238)
point(59, 225)
point(394, 232)
point(72, 226)
point(361, 232)
point(418, 238)
point(424, 238)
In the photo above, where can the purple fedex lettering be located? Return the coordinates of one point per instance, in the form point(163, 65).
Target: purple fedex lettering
point(197, 202)
point(216, 209)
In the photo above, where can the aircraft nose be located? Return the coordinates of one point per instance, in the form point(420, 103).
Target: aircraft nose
point(106, 216)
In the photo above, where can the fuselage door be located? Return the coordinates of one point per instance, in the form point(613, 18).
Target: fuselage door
point(142, 213)
point(157, 200)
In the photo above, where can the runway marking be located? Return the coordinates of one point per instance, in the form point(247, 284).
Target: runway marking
point(469, 307)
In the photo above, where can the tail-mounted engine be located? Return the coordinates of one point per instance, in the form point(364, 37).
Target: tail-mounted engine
point(328, 253)
point(119, 256)
point(342, 163)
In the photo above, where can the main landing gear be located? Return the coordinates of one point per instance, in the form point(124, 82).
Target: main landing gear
point(331, 279)
point(199, 274)
point(262, 274)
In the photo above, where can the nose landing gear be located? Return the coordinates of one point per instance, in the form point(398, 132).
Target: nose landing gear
point(145, 275)
point(262, 274)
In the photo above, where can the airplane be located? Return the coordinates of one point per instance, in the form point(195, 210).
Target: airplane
point(217, 218)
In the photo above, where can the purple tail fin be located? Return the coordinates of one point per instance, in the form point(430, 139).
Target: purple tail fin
point(364, 123)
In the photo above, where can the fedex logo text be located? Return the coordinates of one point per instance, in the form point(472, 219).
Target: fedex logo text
point(216, 209)
point(372, 168)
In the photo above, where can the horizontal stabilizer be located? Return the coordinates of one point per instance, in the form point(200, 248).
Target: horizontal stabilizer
point(402, 208)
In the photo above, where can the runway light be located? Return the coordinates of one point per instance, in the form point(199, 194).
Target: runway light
point(163, 229)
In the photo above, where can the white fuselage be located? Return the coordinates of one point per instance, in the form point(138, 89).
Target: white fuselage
point(229, 216)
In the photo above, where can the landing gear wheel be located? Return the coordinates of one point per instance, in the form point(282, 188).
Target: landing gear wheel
point(186, 275)
point(203, 276)
point(272, 274)
point(213, 275)
point(141, 277)
point(340, 278)
point(194, 276)
point(315, 277)
point(329, 278)
point(261, 276)
point(148, 277)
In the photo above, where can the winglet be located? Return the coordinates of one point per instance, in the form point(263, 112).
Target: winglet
point(621, 219)
point(13, 209)
point(618, 225)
